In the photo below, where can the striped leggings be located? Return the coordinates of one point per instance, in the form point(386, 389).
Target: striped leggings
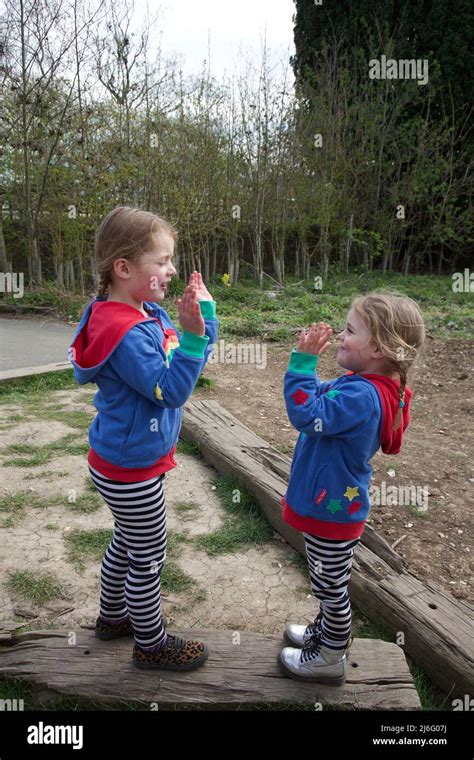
point(330, 563)
point(132, 564)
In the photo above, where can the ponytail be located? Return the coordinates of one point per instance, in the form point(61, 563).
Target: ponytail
point(104, 283)
point(402, 370)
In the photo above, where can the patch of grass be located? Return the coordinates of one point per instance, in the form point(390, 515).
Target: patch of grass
point(14, 503)
point(188, 447)
point(371, 630)
point(38, 625)
point(430, 697)
point(35, 587)
point(174, 543)
point(205, 382)
point(280, 334)
point(175, 580)
point(17, 391)
point(50, 526)
point(14, 688)
point(10, 421)
point(67, 445)
point(45, 474)
point(90, 485)
point(77, 419)
point(85, 503)
point(244, 524)
point(414, 511)
point(90, 544)
point(185, 509)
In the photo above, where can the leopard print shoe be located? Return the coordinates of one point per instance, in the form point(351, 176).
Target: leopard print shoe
point(177, 654)
point(106, 632)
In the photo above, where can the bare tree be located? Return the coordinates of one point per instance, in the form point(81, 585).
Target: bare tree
point(39, 58)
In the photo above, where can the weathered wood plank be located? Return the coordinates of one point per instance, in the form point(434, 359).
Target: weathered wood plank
point(437, 628)
point(7, 627)
point(378, 677)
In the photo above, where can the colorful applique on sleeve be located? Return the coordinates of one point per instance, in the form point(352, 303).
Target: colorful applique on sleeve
point(170, 343)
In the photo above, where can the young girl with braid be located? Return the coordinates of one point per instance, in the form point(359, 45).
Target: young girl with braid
point(342, 423)
point(145, 371)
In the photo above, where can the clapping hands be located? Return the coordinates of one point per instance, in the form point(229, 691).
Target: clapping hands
point(317, 340)
point(189, 311)
point(196, 281)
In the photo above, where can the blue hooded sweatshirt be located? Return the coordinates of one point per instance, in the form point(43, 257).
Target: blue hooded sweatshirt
point(145, 371)
point(342, 423)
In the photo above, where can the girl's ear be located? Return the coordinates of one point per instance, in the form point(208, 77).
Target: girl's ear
point(377, 353)
point(122, 268)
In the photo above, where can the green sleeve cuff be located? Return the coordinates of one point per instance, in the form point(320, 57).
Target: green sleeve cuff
point(193, 345)
point(208, 309)
point(303, 363)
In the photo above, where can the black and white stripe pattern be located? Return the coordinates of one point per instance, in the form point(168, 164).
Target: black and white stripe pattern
point(132, 564)
point(330, 564)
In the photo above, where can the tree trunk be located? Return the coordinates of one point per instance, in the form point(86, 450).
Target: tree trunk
point(297, 260)
point(36, 261)
point(3, 251)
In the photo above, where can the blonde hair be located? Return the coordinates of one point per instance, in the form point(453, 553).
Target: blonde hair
point(396, 326)
point(125, 233)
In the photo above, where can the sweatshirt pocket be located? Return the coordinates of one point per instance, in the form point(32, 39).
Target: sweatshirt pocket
point(317, 479)
point(130, 438)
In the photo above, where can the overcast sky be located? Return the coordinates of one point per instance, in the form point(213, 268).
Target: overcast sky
point(186, 25)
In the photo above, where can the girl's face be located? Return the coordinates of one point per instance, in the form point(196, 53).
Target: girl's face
point(357, 352)
point(151, 274)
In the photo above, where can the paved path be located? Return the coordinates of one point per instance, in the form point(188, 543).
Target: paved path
point(31, 342)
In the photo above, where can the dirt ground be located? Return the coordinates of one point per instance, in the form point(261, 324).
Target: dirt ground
point(257, 588)
point(437, 452)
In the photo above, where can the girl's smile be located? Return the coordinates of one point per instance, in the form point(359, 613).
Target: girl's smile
point(357, 352)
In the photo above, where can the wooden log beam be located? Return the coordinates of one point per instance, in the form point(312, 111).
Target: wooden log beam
point(246, 672)
point(436, 628)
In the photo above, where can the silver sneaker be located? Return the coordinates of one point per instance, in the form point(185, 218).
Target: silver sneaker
point(304, 635)
point(315, 663)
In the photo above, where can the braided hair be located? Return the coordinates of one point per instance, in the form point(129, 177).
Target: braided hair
point(104, 282)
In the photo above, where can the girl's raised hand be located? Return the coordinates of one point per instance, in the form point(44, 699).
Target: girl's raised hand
point(196, 281)
point(317, 340)
point(189, 311)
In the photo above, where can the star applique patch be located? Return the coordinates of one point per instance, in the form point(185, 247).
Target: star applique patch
point(332, 394)
point(158, 393)
point(351, 492)
point(299, 396)
point(354, 507)
point(334, 505)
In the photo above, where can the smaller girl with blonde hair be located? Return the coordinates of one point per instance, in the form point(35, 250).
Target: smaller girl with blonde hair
point(342, 423)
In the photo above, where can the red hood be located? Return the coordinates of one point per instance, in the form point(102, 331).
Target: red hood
point(389, 392)
point(108, 322)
